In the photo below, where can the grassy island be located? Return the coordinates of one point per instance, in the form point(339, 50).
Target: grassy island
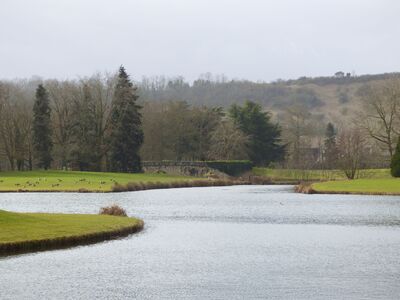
point(27, 232)
point(74, 181)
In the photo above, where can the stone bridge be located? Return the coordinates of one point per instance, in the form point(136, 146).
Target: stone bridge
point(188, 168)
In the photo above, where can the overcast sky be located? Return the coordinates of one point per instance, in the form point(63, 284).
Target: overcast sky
point(252, 39)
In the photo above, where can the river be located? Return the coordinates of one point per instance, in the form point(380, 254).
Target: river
point(240, 242)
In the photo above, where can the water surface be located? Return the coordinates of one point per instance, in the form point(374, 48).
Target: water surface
point(242, 242)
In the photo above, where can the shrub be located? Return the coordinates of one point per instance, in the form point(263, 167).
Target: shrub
point(113, 210)
point(395, 163)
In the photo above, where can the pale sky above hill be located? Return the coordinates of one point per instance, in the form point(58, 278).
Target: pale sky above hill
point(252, 39)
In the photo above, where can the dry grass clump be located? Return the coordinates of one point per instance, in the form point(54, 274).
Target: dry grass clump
point(132, 186)
point(118, 188)
point(304, 188)
point(113, 210)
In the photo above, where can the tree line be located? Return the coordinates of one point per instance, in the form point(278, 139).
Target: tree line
point(212, 90)
point(109, 123)
point(94, 124)
point(99, 124)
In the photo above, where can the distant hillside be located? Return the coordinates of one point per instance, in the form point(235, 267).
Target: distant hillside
point(332, 97)
point(340, 78)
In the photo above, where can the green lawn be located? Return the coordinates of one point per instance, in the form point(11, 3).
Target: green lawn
point(360, 186)
point(19, 227)
point(74, 180)
point(292, 174)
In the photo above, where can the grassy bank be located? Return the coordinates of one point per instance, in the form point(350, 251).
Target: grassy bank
point(26, 232)
point(382, 186)
point(71, 181)
point(315, 175)
point(134, 186)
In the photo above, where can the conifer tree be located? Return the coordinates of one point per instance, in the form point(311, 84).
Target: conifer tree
point(395, 163)
point(264, 144)
point(126, 126)
point(42, 141)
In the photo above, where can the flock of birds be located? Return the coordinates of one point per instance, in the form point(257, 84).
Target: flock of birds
point(59, 181)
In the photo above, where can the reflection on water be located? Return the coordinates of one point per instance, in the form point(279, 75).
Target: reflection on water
point(219, 243)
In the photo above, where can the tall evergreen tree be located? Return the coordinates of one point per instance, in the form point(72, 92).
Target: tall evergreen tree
point(42, 141)
point(264, 145)
point(331, 151)
point(126, 127)
point(395, 163)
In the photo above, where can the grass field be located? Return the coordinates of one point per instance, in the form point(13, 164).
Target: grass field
point(74, 181)
point(18, 227)
point(316, 175)
point(369, 181)
point(390, 186)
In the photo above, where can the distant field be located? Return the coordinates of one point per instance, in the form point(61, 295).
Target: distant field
point(360, 186)
point(74, 181)
point(292, 174)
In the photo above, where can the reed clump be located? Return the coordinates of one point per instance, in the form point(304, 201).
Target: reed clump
point(304, 188)
point(118, 188)
point(113, 210)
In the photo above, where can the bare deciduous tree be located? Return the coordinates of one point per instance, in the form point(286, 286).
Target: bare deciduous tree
point(228, 142)
point(92, 108)
point(15, 125)
point(351, 148)
point(62, 95)
point(380, 114)
point(297, 128)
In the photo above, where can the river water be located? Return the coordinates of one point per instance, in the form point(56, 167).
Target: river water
point(241, 242)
